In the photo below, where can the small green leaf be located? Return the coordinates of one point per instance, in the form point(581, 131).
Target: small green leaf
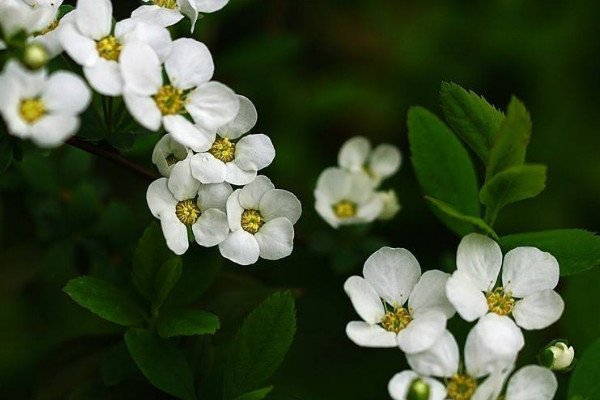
point(511, 185)
point(187, 323)
point(576, 250)
point(475, 222)
point(106, 300)
point(584, 383)
point(162, 363)
point(260, 346)
point(511, 144)
point(150, 254)
point(166, 278)
point(471, 117)
point(256, 394)
point(443, 167)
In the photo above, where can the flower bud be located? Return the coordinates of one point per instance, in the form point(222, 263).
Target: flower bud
point(391, 206)
point(35, 56)
point(418, 390)
point(558, 356)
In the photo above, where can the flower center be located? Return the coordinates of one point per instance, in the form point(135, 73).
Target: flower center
point(32, 109)
point(396, 320)
point(169, 100)
point(222, 149)
point(252, 221)
point(187, 211)
point(171, 159)
point(344, 209)
point(500, 302)
point(461, 387)
point(52, 26)
point(166, 3)
point(109, 48)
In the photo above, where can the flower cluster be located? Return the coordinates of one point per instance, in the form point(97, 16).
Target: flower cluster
point(400, 307)
point(348, 194)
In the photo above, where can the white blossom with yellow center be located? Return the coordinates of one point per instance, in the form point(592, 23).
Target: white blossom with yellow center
point(39, 107)
point(169, 12)
point(526, 293)
point(167, 153)
point(399, 306)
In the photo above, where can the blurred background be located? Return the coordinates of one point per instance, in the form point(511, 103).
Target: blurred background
point(319, 73)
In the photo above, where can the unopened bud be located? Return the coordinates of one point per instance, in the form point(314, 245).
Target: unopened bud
point(35, 56)
point(558, 356)
point(418, 390)
point(391, 205)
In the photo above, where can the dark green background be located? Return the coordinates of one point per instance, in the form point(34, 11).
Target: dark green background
point(318, 72)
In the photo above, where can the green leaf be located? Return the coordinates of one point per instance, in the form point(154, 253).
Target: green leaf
point(576, 250)
point(471, 117)
point(256, 394)
point(584, 383)
point(261, 345)
point(476, 223)
point(150, 254)
point(162, 363)
point(511, 185)
point(117, 365)
point(443, 167)
point(166, 278)
point(187, 323)
point(511, 145)
point(106, 300)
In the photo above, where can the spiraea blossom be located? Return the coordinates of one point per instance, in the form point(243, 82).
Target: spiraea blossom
point(169, 12)
point(526, 293)
point(231, 159)
point(391, 278)
point(261, 219)
point(92, 42)
point(167, 153)
point(490, 350)
point(379, 163)
point(181, 202)
point(41, 107)
point(189, 92)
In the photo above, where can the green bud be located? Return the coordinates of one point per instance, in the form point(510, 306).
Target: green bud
point(418, 390)
point(558, 356)
point(35, 56)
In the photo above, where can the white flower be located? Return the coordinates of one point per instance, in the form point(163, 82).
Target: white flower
point(490, 351)
point(531, 382)
point(346, 198)
point(49, 37)
point(92, 43)
point(391, 205)
point(17, 15)
point(391, 277)
point(189, 68)
point(169, 12)
point(528, 279)
point(236, 162)
point(181, 202)
point(39, 107)
point(562, 356)
point(167, 153)
point(379, 163)
point(261, 219)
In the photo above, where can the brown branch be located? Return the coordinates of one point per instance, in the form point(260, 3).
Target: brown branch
point(109, 153)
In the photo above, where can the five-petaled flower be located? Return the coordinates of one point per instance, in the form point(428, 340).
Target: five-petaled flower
point(169, 12)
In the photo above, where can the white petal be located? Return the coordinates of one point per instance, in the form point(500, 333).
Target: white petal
point(467, 299)
point(370, 209)
point(105, 77)
point(240, 247)
point(362, 188)
point(165, 147)
point(539, 310)
point(66, 93)
point(393, 273)
point(53, 130)
point(157, 15)
point(188, 8)
point(160, 199)
point(209, 6)
point(365, 299)
point(175, 233)
point(252, 193)
point(79, 47)
point(275, 239)
point(188, 134)
point(354, 153)
point(399, 386)
point(422, 332)
point(212, 105)
point(325, 210)
point(211, 228)
point(143, 109)
point(528, 270)
point(365, 335)
point(430, 294)
point(207, 169)
point(333, 185)
point(237, 176)
point(480, 259)
point(254, 152)
point(278, 203)
point(492, 386)
point(384, 161)
point(243, 122)
point(440, 360)
point(134, 31)
point(190, 64)
point(532, 382)
point(234, 211)
point(94, 18)
point(181, 182)
point(214, 196)
point(141, 69)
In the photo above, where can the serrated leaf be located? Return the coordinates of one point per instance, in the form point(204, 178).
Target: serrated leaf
point(256, 394)
point(443, 167)
point(475, 222)
point(106, 300)
point(187, 323)
point(471, 117)
point(150, 254)
point(584, 383)
point(511, 185)
point(261, 345)
point(576, 250)
point(166, 278)
point(161, 363)
point(510, 146)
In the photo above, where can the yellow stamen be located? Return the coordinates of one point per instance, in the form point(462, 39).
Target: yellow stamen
point(187, 211)
point(169, 100)
point(396, 320)
point(222, 149)
point(252, 221)
point(52, 26)
point(32, 109)
point(500, 302)
point(165, 3)
point(171, 159)
point(344, 209)
point(461, 387)
point(109, 48)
